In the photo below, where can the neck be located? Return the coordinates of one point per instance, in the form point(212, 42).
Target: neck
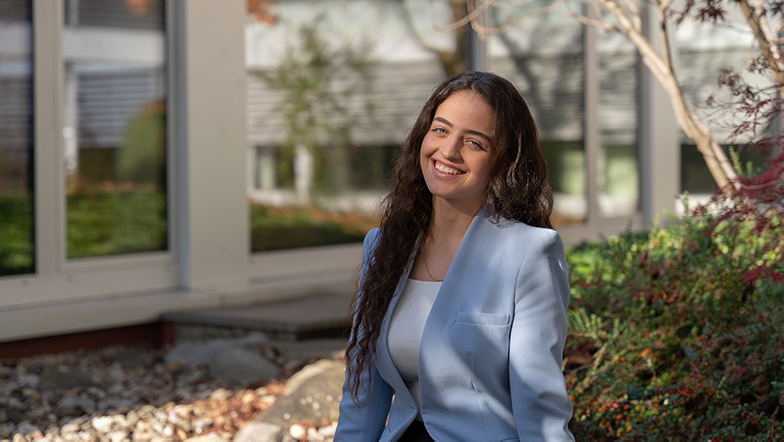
point(449, 221)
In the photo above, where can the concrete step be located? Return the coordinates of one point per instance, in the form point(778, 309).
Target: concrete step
point(317, 315)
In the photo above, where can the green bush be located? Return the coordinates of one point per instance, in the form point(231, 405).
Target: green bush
point(274, 228)
point(16, 234)
point(108, 223)
point(675, 334)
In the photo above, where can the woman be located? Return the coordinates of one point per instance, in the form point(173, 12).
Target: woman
point(462, 307)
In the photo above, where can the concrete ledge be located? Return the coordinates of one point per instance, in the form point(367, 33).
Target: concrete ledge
point(317, 315)
point(48, 319)
point(72, 317)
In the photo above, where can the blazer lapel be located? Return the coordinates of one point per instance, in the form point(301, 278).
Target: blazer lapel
point(383, 359)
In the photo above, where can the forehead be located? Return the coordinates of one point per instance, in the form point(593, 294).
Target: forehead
point(467, 110)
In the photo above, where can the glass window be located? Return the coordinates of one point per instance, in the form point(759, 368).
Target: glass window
point(16, 138)
point(703, 50)
point(617, 114)
point(542, 56)
point(115, 126)
point(333, 88)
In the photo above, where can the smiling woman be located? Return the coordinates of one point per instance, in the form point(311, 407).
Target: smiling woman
point(457, 153)
point(461, 310)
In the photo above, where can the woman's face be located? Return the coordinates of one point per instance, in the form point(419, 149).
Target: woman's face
point(457, 155)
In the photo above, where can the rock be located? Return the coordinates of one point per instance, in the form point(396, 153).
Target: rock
point(71, 427)
point(30, 379)
point(211, 437)
point(202, 353)
point(64, 380)
point(310, 395)
point(328, 431)
point(297, 431)
point(312, 349)
point(103, 424)
point(74, 406)
point(131, 394)
point(26, 428)
point(240, 366)
point(135, 357)
point(6, 372)
point(313, 435)
point(193, 353)
point(262, 432)
point(118, 436)
point(253, 340)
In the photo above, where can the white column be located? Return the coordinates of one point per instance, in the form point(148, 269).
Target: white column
point(660, 165)
point(303, 173)
point(71, 120)
point(212, 231)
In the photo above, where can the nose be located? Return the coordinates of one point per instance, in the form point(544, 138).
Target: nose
point(451, 148)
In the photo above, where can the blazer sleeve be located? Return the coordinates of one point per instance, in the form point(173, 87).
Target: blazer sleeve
point(540, 403)
point(364, 419)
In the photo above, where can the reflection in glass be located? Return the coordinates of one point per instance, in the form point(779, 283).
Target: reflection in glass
point(115, 126)
point(16, 138)
point(617, 166)
point(332, 91)
point(542, 56)
point(703, 50)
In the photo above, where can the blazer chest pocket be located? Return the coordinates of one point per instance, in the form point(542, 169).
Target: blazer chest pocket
point(481, 318)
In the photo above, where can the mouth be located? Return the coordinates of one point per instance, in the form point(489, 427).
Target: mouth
point(446, 169)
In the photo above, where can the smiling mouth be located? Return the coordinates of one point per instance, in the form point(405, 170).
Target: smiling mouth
point(446, 169)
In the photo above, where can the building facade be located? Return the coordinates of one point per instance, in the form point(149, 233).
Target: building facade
point(161, 155)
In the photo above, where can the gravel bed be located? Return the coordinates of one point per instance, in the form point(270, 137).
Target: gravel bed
point(118, 394)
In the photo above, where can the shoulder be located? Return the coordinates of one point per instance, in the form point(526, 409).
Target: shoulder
point(514, 233)
point(369, 244)
point(371, 239)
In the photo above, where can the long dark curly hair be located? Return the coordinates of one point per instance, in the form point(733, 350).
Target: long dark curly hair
point(518, 190)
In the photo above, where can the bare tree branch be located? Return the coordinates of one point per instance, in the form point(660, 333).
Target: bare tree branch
point(628, 18)
point(591, 22)
point(766, 40)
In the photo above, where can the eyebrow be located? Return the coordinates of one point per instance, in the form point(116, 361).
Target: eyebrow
point(469, 131)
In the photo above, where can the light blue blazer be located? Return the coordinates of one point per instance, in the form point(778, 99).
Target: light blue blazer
point(491, 350)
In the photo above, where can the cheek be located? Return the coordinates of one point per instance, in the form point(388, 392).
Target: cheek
point(485, 165)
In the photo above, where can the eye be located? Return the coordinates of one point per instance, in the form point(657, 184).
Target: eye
point(475, 144)
point(439, 130)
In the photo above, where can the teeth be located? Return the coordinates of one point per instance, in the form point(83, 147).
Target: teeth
point(441, 168)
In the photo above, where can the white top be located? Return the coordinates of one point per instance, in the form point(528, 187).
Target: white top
point(406, 327)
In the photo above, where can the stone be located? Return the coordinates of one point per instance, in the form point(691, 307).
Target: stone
point(64, 380)
point(240, 366)
point(210, 437)
point(262, 432)
point(201, 353)
point(311, 349)
point(30, 379)
point(74, 406)
point(328, 431)
point(297, 431)
point(192, 353)
point(313, 435)
point(310, 395)
point(135, 357)
point(26, 428)
point(103, 424)
point(125, 398)
point(118, 435)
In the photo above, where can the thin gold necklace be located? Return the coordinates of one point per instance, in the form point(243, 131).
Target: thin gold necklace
point(424, 255)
